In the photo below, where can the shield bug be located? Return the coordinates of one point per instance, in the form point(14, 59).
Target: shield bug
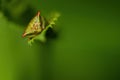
point(35, 26)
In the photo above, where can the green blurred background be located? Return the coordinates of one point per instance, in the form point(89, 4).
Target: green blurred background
point(87, 46)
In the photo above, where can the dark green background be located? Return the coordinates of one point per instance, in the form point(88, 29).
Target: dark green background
point(87, 47)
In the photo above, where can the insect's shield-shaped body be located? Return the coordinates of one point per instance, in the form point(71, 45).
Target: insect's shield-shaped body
point(35, 26)
point(38, 26)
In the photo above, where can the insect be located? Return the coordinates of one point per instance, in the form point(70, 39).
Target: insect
point(35, 26)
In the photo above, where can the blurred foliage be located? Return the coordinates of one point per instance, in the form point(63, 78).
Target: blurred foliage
point(18, 11)
point(14, 58)
point(87, 48)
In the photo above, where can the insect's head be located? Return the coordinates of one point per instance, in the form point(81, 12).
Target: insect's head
point(38, 14)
